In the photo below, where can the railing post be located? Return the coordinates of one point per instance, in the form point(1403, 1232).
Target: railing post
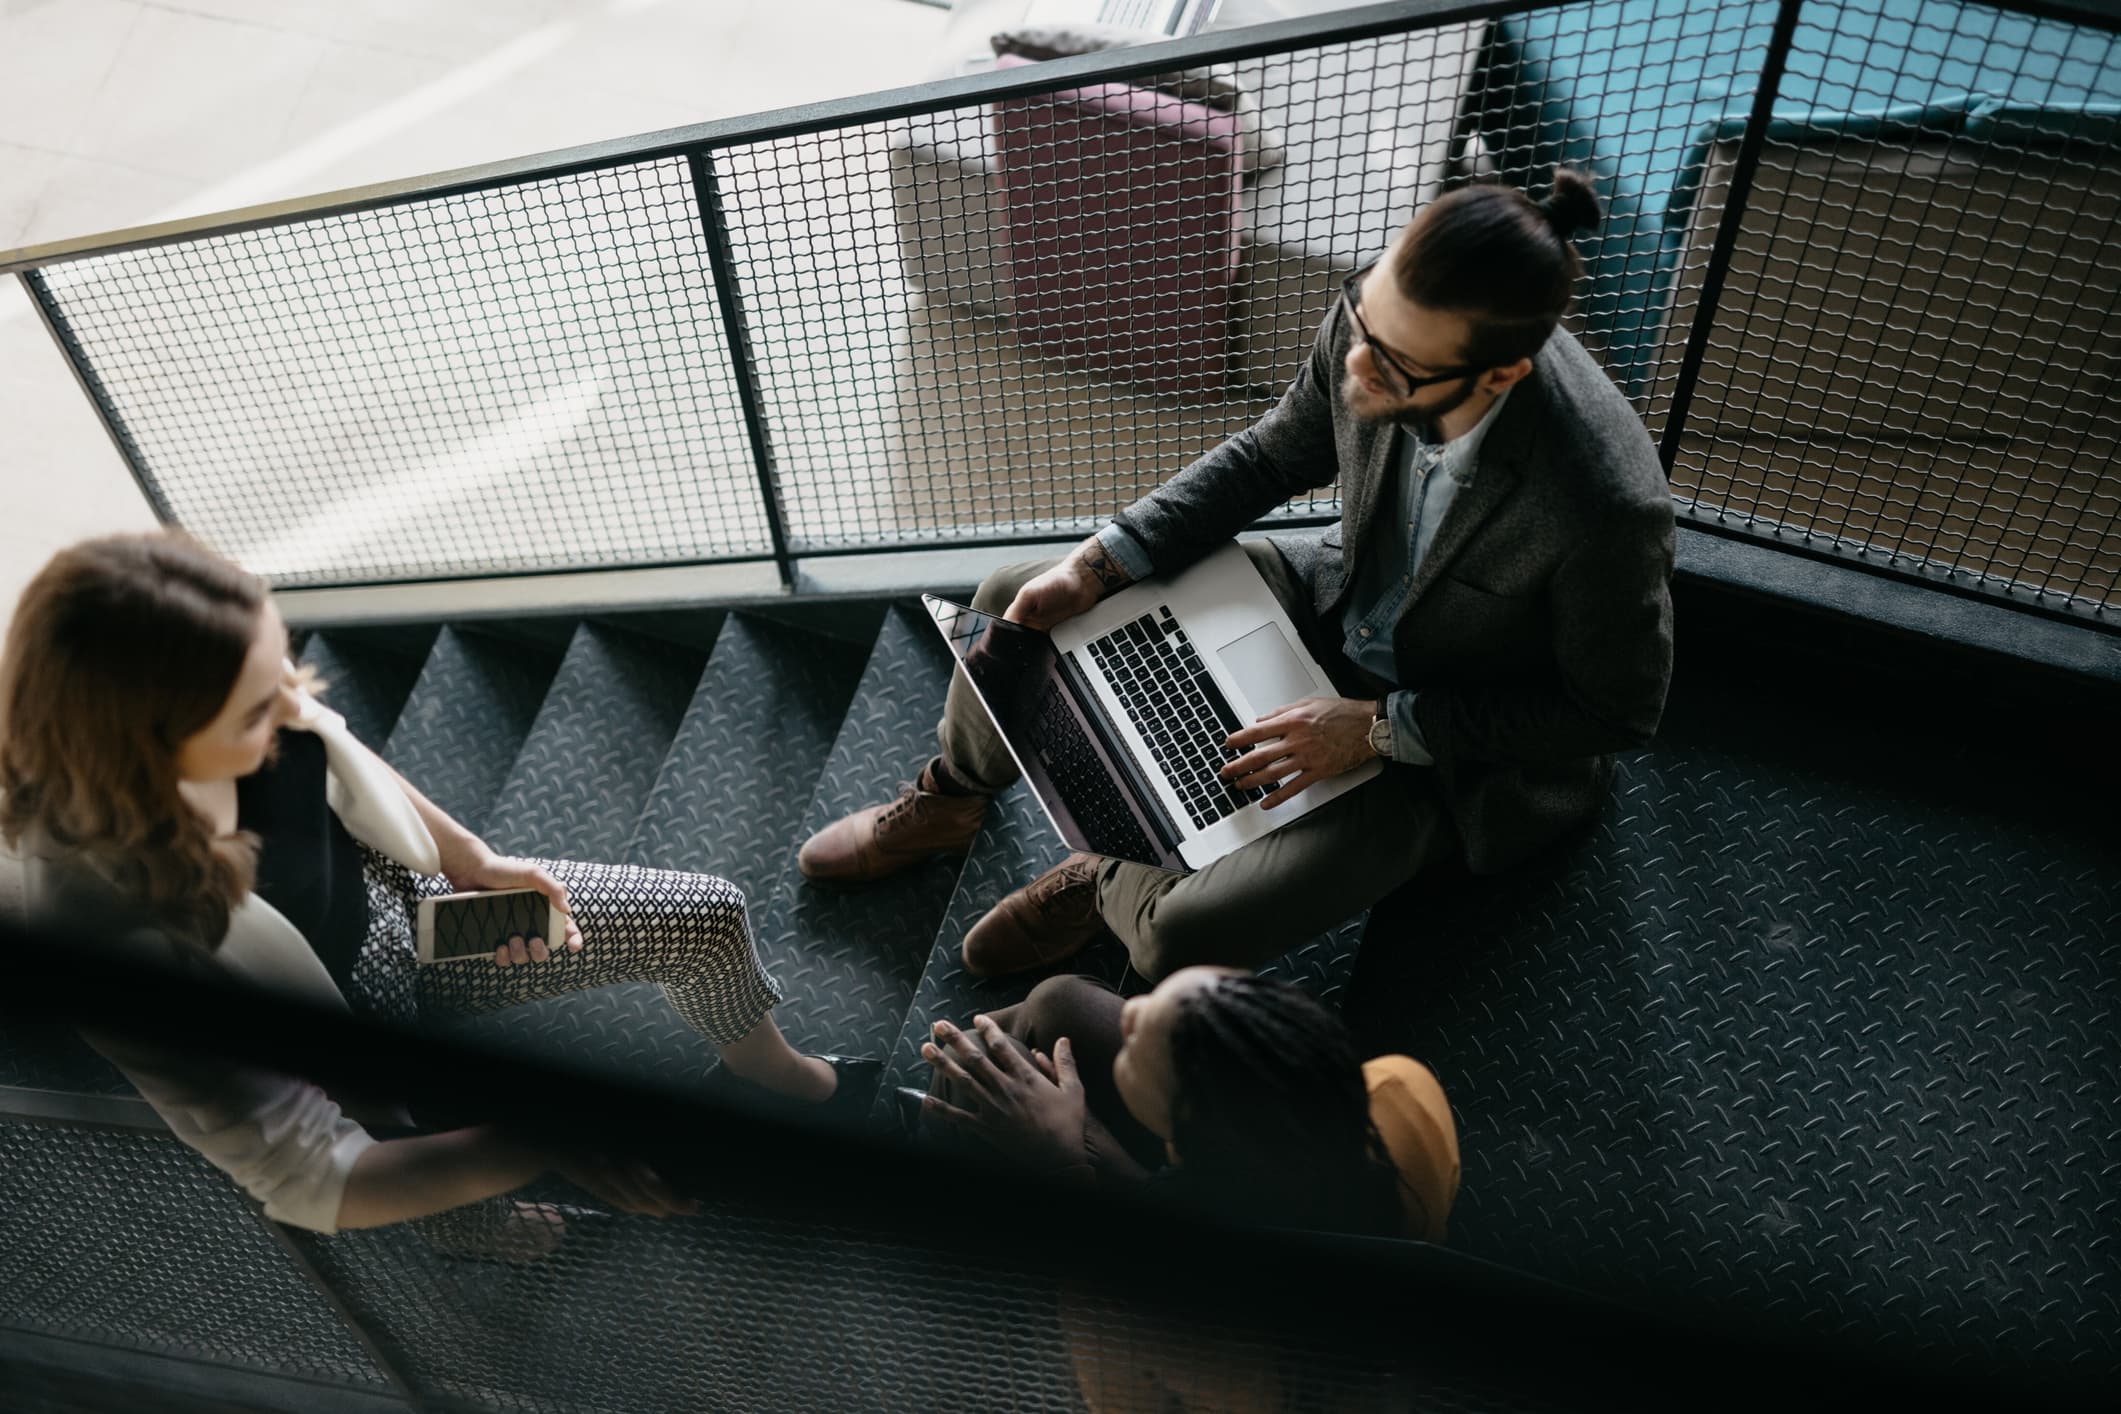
point(1756, 129)
point(55, 324)
point(738, 331)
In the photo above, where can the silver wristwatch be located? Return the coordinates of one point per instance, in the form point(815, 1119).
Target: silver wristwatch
point(1381, 732)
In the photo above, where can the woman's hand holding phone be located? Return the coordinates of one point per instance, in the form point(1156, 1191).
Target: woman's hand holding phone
point(487, 871)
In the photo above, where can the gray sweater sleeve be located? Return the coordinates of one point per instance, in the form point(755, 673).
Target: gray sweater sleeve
point(1286, 453)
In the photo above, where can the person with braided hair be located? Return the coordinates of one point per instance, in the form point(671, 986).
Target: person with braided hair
point(1221, 1091)
point(1230, 1092)
point(1493, 608)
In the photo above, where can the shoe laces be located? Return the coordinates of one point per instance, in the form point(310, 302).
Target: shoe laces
point(1069, 887)
point(908, 796)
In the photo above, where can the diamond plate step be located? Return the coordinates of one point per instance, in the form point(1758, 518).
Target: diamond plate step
point(585, 771)
point(368, 686)
point(467, 719)
point(575, 792)
point(1780, 1044)
point(849, 959)
point(738, 778)
point(1016, 844)
point(728, 798)
point(1323, 966)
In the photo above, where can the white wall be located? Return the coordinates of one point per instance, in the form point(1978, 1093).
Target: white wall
point(122, 112)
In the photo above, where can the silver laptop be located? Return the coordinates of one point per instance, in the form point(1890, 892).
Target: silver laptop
point(1118, 717)
point(1176, 18)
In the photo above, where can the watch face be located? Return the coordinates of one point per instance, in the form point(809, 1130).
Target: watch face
point(1381, 736)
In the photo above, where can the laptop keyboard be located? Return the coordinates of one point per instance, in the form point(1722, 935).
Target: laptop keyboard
point(1072, 765)
point(1177, 708)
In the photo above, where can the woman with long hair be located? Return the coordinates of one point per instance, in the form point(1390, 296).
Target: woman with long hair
point(168, 775)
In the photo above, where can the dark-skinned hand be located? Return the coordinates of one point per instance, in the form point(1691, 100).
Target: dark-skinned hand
point(1010, 1102)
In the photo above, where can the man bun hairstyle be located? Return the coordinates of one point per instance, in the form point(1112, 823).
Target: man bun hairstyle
point(1506, 263)
point(1571, 205)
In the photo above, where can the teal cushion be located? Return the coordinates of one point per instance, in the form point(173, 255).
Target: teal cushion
point(1976, 117)
point(1633, 89)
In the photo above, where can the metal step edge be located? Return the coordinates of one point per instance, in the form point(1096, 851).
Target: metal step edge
point(466, 719)
point(592, 756)
point(850, 959)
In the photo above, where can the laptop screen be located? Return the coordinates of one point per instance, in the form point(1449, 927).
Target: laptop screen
point(1008, 663)
point(1037, 701)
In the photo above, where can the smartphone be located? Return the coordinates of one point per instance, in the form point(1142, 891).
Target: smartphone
point(458, 926)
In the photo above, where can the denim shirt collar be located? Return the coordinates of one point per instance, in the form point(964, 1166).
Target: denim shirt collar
point(1461, 455)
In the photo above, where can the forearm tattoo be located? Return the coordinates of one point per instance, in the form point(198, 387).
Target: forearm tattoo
point(1103, 568)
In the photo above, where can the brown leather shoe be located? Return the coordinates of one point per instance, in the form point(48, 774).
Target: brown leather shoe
point(878, 842)
point(1051, 918)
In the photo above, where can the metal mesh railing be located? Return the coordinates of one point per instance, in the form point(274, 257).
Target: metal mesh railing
point(736, 1308)
point(528, 376)
point(1856, 274)
point(1913, 358)
point(1618, 88)
point(820, 1272)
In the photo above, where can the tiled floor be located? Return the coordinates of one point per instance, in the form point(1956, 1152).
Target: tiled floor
point(121, 112)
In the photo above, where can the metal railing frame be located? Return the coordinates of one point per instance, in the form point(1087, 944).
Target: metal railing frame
point(699, 144)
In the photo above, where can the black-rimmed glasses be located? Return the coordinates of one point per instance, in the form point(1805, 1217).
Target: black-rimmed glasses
point(1389, 363)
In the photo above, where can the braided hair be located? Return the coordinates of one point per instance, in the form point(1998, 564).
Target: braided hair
point(1271, 1117)
point(1504, 261)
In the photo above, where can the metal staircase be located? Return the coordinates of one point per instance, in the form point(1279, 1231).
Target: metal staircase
point(1792, 1031)
point(716, 744)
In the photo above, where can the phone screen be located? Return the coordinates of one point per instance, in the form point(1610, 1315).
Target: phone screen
point(474, 927)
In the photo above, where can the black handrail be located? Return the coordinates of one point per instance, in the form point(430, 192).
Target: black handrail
point(1727, 227)
point(736, 329)
point(1405, 1303)
point(77, 363)
point(1336, 27)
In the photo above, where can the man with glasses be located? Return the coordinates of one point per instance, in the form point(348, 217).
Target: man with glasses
point(1492, 604)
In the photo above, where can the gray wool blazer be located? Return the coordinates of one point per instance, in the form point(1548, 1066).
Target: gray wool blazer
point(1539, 635)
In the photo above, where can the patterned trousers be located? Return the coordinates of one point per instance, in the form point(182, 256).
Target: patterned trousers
point(689, 932)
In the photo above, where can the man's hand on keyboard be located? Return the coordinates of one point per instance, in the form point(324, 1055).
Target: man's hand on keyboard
point(1300, 745)
point(1071, 587)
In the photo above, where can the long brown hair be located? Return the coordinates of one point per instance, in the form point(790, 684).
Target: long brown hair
point(122, 648)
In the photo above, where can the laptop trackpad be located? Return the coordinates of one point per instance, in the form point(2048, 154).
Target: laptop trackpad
point(1266, 669)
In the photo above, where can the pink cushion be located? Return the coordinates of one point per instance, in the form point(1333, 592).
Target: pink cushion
point(1122, 207)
